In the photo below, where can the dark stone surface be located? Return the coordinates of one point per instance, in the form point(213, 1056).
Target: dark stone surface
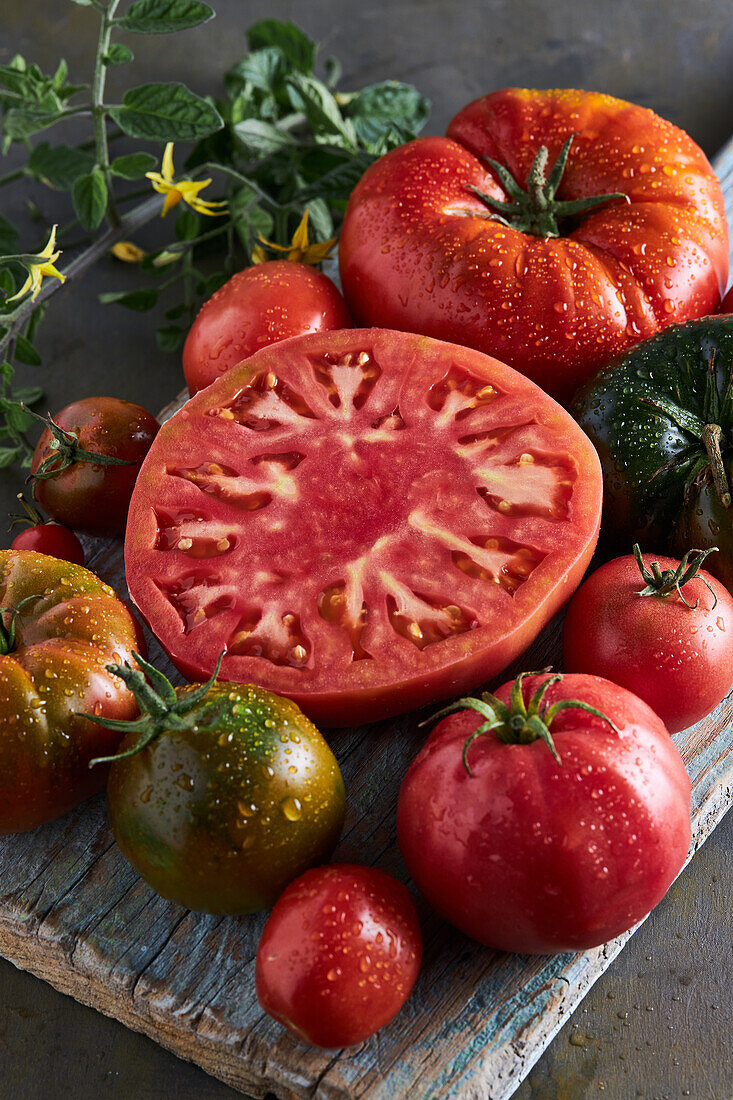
point(655, 1025)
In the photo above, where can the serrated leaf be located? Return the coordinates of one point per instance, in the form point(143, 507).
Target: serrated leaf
point(321, 110)
point(8, 237)
point(17, 418)
point(133, 166)
point(165, 112)
point(117, 54)
point(296, 47)
point(338, 182)
point(29, 395)
point(19, 125)
point(320, 221)
point(59, 165)
point(26, 353)
point(89, 195)
point(188, 225)
point(262, 137)
point(176, 311)
point(261, 68)
point(164, 16)
point(9, 455)
point(390, 103)
point(169, 337)
point(138, 300)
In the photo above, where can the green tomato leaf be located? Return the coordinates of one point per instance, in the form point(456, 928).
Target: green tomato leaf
point(133, 166)
point(170, 337)
point(320, 220)
point(82, 3)
point(26, 353)
point(8, 237)
point(262, 138)
point(9, 455)
point(164, 16)
point(18, 419)
point(29, 395)
point(59, 166)
point(295, 46)
point(165, 112)
point(118, 54)
point(391, 104)
point(321, 110)
point(261, 68)
point(138, 300)
point(89, 195)
point(188, 225)
point(337, 183)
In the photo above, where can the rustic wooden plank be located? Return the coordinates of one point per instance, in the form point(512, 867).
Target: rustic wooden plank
point(74, 913)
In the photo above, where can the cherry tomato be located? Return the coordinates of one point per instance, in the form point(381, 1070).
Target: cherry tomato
point(339, 955)
point(666, 635)
point(553, 290)
point(50, 538)
point(367, 520)
point(529, 851)
point(259, 306)
point(86, 461)
point(235, 794)
point(61, 626)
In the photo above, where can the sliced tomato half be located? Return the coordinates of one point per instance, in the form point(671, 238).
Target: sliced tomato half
point(367, 520)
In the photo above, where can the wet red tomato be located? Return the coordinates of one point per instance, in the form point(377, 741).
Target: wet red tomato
point(85, 464)
point(525, 852)
point(339, 955)
point(672, 647)
point(52, 539)
point(366, 520)
point(259, 306)
point(550, 290)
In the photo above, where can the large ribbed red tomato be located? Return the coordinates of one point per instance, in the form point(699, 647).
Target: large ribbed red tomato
point(421, 251)
point(727, 306)
point(367, 520)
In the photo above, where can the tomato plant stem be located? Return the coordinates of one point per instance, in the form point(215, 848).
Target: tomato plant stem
point(711, 436)
point(98, 109)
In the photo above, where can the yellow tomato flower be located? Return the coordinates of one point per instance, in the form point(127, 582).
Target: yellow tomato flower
point(188, 190)
point(299, 251)
point(128, 252)
point(37, 271)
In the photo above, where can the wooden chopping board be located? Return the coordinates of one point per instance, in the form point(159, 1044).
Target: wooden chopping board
point(74, 913)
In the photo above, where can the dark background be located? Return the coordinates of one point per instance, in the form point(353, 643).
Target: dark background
point(656, 1024)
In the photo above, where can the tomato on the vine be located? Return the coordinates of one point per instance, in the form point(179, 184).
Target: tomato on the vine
point(45, 536)
point(659, 627)
point(85, 463)
point(339, 954)
point(221, 795)
point(549, 817)
point(260, 305)
point(552, 229)
point(61, 625)
point(366, 520)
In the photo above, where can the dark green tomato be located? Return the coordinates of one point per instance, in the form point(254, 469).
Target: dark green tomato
point(646, 413)
point(221, 816)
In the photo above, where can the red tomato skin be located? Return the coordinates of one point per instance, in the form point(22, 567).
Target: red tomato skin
point(258, 306)
point(50, 538)
point(677, 659)
point(727, 303)
point(87, 496)
point(418, 252)
point(527, 856)
point(339, 954)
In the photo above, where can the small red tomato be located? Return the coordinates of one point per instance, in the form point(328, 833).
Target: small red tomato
point(727, 303)
point(46, 537)
point(536, 824)
point(258, 306)
point(85, 463)
point(339, 954)
point(659, 627)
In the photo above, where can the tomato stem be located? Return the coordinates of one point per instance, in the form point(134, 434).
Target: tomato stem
point(66, 451)
point(536, 210)
point(662, 582)
point(712, 435)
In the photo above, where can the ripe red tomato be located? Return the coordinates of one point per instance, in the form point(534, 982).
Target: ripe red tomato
point(727, 303)
point(61, 628)
point(526, 854)
point(673, 649)
point(74, 488)
point(50, 538)
point(339, 955)
point(367, 520)
point(420, 250)
point(256, 307)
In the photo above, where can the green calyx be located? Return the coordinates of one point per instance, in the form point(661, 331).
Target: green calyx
point(519, 723)
point(30, 516)
point(663, 582)
point(536, 210)
point(67, 451)
point(161, 708)
point(8, 640)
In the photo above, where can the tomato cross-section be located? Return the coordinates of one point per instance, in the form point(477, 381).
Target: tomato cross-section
point(367, 520)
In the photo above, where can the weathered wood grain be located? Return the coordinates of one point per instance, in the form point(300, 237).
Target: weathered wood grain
point(75, 914)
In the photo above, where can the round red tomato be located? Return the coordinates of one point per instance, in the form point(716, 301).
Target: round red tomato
point(256, 307)
point(527, 853)
point(339, 955)
point(672, 646)
point(366, 520)
point(86, 461)
point(424, 249)
point(50, 538)
point(61, 627)
point(727, 304)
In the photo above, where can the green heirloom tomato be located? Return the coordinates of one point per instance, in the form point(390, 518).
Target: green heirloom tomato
point(661, 418)
point(226, 794)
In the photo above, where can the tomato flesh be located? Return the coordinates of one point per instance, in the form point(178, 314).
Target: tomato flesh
point(367, 520)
